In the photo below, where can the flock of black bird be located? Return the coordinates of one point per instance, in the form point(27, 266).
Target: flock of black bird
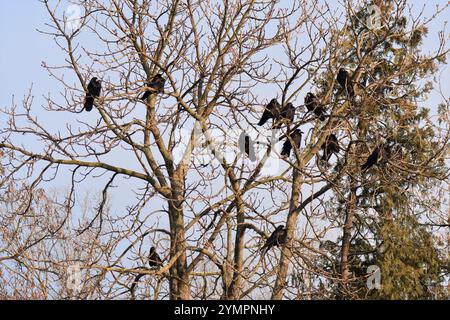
point(279, 116)
point(286, 114)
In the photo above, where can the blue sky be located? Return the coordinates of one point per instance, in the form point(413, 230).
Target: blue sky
point(22, 48)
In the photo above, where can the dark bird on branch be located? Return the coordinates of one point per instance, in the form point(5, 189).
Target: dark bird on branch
point(330, 146)
point(271, 111)
point(313, 105)
point(375, 157)
point(153, 258)
point(277, 238)
point(296, 137)
point(94, 88)
point(383, 153)
point(247, 145)
point(154, 261)
point(344, 80)
point(287, 115)
point(156, 85)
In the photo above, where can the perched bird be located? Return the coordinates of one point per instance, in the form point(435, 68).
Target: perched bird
point(246, 145)
point(313, 105)
point(343, 78)
point(296, 137)
point(156, 85)
point(287, 114)
point(154, 261)
point(277, 238)
point(330, 146)
point(383, 153)
point(373, 158)
point(94, 88)
point(153, 258)
point(272, 111)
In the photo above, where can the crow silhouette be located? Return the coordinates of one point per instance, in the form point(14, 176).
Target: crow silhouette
point(94, 88)
point(382, 154)
point(153, 258)
point(330, 146)
point(154, 261)
point(277, 238)
point(287, 115)
point(343, 78)
point(296, 137)
point(374, 158)
point(313, 105)
point(156, 85)
point(271, 111)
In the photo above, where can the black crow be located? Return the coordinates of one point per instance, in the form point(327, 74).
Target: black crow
point(383, 153)
point(343, 78)
point(156, 85)
point(277, 238)
point(313, 105)
point(330, 146)
point(94, 88)
point(272, 110)
point(246, 145)
point(287, 114)
point(373, 159)
point(153, 259)
point(296, 136)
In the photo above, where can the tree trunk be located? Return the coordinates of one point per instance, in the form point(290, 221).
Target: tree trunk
point(235, 286)
point(280, 283)
point(179, 277)
point(346, 238)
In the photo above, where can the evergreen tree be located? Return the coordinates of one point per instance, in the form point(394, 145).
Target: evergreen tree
point(381, 221)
